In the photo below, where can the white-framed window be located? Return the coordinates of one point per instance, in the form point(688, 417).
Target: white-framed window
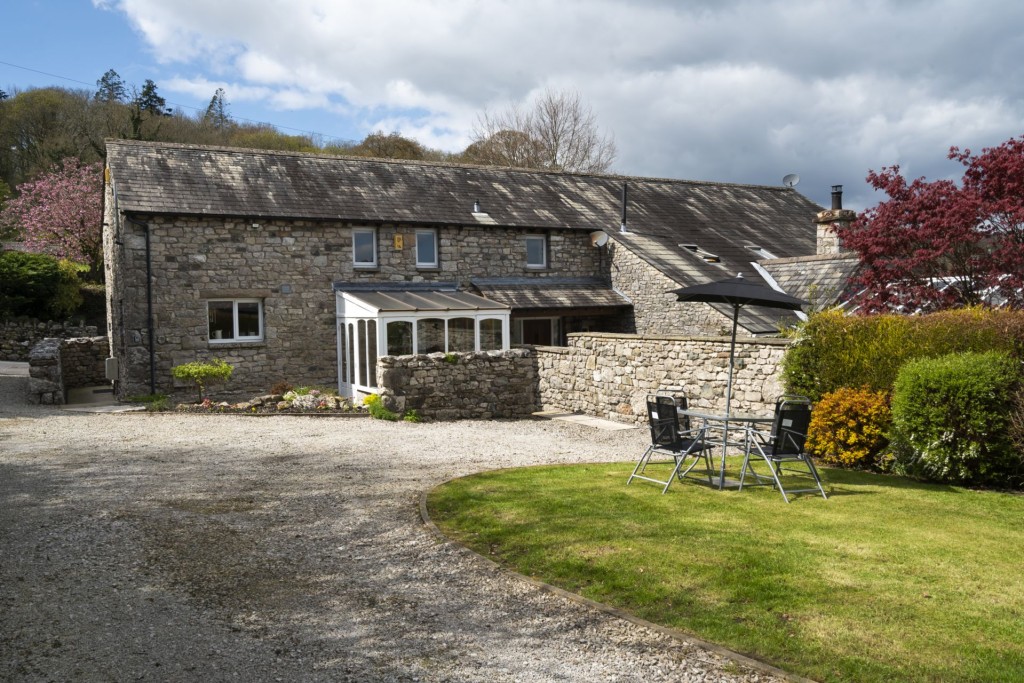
point(234, 320)
point(426, 248)
point(536, 251)
point(364, 247)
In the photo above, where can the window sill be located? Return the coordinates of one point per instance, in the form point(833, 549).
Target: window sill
point(428, 269)
point(538, 269)
point(365, 267)
point(236, 342)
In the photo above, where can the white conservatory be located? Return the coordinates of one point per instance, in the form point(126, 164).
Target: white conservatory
point(376, 321)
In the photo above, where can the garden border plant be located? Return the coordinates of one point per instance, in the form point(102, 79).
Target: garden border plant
point(202, 374)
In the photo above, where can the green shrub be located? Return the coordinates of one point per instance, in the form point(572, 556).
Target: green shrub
point(849, 426)
point(154, 402)
point(951, 419)
point(377, 409)
point(833, 350)
point(203, 374)
point(38, 285)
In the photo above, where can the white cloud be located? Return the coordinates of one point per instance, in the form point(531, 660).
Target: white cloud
point(739, 90)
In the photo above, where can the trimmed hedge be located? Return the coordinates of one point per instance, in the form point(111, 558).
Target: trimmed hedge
point(833, 350)
point(951, 419)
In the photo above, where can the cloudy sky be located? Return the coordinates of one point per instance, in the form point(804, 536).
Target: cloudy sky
point(726, 90)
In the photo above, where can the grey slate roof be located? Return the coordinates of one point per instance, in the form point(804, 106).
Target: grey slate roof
point(823, 280)
point(719, 218)
point(194, 180)
point(549, 293)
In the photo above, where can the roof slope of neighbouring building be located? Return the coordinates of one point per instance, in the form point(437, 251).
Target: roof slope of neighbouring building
point(824, 280)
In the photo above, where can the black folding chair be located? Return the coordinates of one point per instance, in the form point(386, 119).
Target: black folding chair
point(672, 435)
point(783, 445)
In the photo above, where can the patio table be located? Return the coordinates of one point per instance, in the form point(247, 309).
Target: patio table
point(714, 422)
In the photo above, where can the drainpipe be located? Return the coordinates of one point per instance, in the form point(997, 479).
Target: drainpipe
point(149, 304)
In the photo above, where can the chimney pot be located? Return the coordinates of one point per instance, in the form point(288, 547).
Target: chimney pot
point(837, 197)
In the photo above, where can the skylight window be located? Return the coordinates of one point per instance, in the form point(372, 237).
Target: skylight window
point(705, 255)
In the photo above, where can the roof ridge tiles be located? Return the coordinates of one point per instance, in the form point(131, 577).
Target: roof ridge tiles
point(436, 164)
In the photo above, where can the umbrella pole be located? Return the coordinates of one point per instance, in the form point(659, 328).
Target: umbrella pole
point(728, 395)
point(732, 359)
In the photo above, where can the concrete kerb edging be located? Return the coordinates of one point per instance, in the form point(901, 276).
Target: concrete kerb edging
point(608, 609)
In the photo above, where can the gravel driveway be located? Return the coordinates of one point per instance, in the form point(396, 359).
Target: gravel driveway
point(168, 547)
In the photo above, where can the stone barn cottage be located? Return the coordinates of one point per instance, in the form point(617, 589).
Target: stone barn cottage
point(307, 268)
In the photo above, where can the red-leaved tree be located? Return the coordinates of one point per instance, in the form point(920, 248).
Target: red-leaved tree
point(61, 213)
point(939, 244)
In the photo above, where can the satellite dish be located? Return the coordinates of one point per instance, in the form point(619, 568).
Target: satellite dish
point(598, 238)
point(790, 179)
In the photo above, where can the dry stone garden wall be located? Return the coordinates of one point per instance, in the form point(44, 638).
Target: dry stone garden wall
point(610, 375)
point(607, 375)
point(492, 384)
point(19, 335)
point(56, 365)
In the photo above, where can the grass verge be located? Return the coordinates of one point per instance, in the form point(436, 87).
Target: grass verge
point(888, 580)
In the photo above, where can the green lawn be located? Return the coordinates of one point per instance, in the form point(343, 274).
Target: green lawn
point(887, 580)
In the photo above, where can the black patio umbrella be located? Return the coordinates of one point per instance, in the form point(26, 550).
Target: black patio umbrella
point(737, 292)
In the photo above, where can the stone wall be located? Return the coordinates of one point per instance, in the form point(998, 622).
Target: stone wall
point(610, 375)
point(82, 362)
point(493, 384)
point(607, 375)
point(19, 335)
point(57, 365)
point(45, 381)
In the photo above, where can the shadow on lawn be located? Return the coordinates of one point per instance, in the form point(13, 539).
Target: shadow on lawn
point(855, 481)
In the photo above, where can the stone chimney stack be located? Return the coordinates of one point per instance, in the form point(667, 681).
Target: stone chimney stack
point(828, 241)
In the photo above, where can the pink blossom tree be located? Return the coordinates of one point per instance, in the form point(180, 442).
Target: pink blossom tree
point(61, 213)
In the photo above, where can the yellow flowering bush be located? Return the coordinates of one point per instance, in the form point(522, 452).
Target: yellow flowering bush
point(849, 427)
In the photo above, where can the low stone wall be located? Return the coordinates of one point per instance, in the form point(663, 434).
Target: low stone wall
point(18, 336)
point(610, 375)
point(606, 375)
point(45, 381)
point(82, 362)
point(56, 365)
point(493, 384)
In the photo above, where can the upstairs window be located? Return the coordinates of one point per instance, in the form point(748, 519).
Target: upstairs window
point(364, 247)
point(536, 251)
point(426, 249)
point(233, 320)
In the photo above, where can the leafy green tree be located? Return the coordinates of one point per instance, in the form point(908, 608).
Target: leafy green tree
point(110, 88)
point(39, 128)
point(38, 285)
point(147, 106)
point(217, 111)
point(148, 100)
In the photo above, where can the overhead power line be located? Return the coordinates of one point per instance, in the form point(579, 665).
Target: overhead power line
point(184, 106)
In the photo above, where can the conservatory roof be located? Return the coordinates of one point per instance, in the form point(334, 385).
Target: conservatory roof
point(414, 300)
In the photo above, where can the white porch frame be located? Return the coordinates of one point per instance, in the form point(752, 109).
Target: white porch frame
point(357, 318)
